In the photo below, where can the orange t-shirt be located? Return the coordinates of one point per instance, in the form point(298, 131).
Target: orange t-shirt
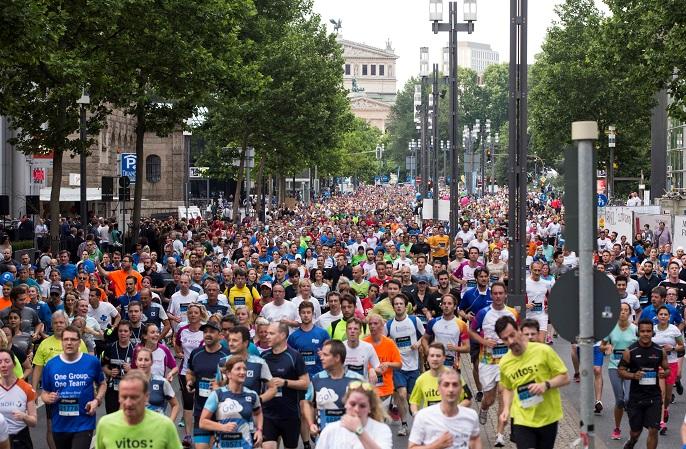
point(387, 351)
point(5, 303)
point(118, 279)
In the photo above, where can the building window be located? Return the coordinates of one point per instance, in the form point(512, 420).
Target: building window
point(373, 69)
point(347, 69)
point(153, 168)
point(364, 69)
point(381, 70)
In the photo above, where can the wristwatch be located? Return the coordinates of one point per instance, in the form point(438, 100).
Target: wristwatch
point(359, 431)
point(547, 386)
point(285, 383)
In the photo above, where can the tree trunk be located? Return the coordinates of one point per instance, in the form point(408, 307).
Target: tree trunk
point(239, 182)
point(140, 169)
point(259, 207)
point(56, 186)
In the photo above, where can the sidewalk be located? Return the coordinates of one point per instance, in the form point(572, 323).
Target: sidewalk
point(568, 429)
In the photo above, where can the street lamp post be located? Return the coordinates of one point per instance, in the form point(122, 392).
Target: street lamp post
point(424, 116)
point(82, 102)
point(611, 142)
point(485, 132)
point(452, 27)
point(494, 146)
point(434, 142)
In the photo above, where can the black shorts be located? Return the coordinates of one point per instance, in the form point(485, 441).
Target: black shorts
point(21, 439)
point(474, 350)
point(288, 429)
point(644, 414)
point(186, 396)
point(77, 440)
point(526, 437)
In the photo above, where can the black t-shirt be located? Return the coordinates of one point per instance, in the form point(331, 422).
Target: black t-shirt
point(680, 288)
point(649, 360)
point(431, 301)
point(115, 356)
point(204, 364)
point(646, 285)
point(289, 365)
point(420, 248)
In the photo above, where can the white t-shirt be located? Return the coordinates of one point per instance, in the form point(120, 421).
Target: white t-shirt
point(482, 246)
point(571, 260)
point(404, 335)
point(325, 320)
point(667, 336)
point(430, 423)
point(5, 432)
point(179, 305)
point(632, 287)
point(104, 314)
point(536, 292)
point(274, 313)
point(359, 358)
point(335, 436)
point(633, 302)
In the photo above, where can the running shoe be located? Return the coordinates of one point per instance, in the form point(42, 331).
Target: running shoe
point(403, 430)
point(577, 377)
point(616, 434)
point(182, 423)
point(187, 441)
point(483, 416)
point(663, 428)
point(630, 444)
point(673, 399)
point(679, 387)
point(499, 440)
point(598, 408)
point(479, 396)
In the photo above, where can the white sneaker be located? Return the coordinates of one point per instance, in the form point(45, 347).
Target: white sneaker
point(499, 440)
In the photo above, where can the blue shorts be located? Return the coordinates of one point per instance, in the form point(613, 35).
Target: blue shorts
point(200, 436)
point(598, 356)
point(405, 379)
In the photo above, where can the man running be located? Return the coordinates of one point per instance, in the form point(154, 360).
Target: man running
point(449, 330)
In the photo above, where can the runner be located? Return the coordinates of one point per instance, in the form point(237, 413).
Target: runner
point(360, 355)
point(669, 338)
point(116, 361)
point(69, 382)
point(134, 425)
point(449, 330)
point(160, 389)
point(537, 292)
point(389, 358)
point(17, 403)
point(492, 349)
point(406, 331)
point(643, 363)
point(531, 375)
point(446, 424)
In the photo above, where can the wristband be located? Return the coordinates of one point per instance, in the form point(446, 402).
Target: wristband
point(547, 385)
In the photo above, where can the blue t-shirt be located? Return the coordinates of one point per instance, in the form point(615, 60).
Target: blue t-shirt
point(328, 393)
point(67, 271)
point(229, 407)
point(252, 349)
point(308, 344)
point(160, 392)
point(473, 301)
point(203, 364)
point(650, 312)
point(44, 314)
point(124, 301)
point(73, 382)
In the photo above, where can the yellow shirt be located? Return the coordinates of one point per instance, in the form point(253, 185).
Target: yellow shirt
point(245, 296)
point(49, 348)
point(425, 392)
point(439, 245)
point(538, 363)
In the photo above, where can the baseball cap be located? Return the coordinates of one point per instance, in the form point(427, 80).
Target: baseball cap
point(210, 325)
point(56, 288)
point(266, 284)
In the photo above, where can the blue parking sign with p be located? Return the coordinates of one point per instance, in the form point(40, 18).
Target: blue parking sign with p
point(128, 166)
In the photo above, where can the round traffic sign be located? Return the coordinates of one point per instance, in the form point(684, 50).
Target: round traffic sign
point(602, 200)
point(124, 181)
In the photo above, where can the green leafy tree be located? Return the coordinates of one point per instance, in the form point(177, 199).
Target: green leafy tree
point(48, 54)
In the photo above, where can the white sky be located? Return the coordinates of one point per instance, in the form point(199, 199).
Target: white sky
point(406, 24)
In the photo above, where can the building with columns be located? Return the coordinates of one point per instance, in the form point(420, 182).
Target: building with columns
point(369, 74)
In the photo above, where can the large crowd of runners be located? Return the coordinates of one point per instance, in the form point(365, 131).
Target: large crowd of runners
point(332, 325)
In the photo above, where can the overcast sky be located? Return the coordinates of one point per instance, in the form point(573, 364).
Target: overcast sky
point(406, 24)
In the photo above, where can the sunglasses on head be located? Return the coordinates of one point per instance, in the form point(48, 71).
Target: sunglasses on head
point(358, 384)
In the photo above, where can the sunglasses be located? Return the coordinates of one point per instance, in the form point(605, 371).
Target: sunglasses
point(358, 384)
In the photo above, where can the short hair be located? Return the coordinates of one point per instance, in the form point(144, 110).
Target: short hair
point(660, 290)
point(442, 273)
point(394, 282)
point(240, 272)
point(499, 284)
point(305, 305)
point(439, 346)
point(74, 329)
point(620, 278)
point(502, 323)
point(135, 304)
point(337, 349)
point(282, 327)
point(16, 292)
point(531, 324)
point(402, 296)
point(645, 322)
point(230, 319)
point(97, 292)
point(136, 375)
point(347, 297)
point(354, 320)
point(244, 331)
point(59, 314)
point(448, 372)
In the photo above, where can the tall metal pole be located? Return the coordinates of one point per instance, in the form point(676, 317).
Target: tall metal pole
point(517, 116)
point(83, 168)
point(483, 160)
point(425, 138)
point(434, 126)
point(584, 133)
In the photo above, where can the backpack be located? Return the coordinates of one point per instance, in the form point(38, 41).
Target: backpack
point(412, 318)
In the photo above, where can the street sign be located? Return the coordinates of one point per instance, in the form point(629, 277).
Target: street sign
point(563, 305)
point(124, 181)
point(128, 166)
point(542, 197)
point(602, 200)
point(197, 172)
point(385, 179)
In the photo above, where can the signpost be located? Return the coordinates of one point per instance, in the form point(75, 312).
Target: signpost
point(128, 166)
point(602, 200)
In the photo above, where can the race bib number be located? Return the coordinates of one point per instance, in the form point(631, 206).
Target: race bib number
point(359, 369)
point(538, 307)
point(526, 398)
point(115, 384)
point(649, 377)
point(449, 360)
point(403, 343)
point(183, 308)
point(617, 354)
point(309, 357)
point(239, 302)
point(231, 440)
point(333, 415)
point(204, 387)
point(493, 278)
point(471, 283)
point(498, 351)
point(68, 407)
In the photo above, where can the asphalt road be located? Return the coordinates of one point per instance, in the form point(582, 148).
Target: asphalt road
point(604, 423)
